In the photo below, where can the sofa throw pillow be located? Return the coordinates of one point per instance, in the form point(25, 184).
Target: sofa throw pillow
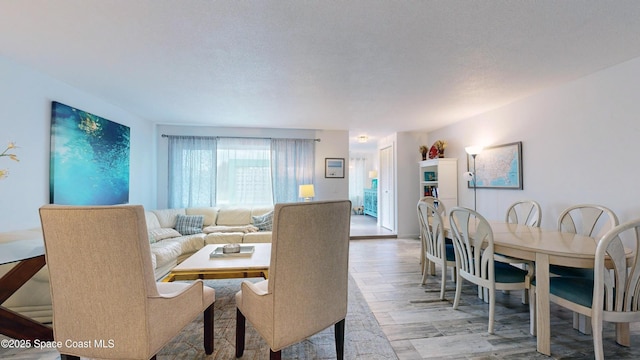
point(189, 224)
point(264, 222)
point(162, 233)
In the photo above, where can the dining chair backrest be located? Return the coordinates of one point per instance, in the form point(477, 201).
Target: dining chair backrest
point(616, 285)
point(617, 278)
point(435, 249)
point(587, 219)
point(473, 244)
point(437, 204)
point(525, 212)
point(433, 230)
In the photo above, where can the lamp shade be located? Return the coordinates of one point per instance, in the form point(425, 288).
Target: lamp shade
point(473, 150)
point(373, 174)
point(306, 191)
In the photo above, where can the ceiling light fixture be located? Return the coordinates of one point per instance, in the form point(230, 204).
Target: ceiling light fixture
point(363, 138)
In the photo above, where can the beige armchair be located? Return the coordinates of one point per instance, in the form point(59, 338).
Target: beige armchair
point(106, 303)
point(307, 287)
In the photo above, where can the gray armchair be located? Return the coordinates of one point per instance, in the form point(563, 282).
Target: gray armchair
point(307, 287)
point(103, 288)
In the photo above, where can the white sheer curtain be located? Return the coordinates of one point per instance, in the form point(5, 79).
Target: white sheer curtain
point(358, 176)
point(192, 171)
point(244, 171)
point(293, 164)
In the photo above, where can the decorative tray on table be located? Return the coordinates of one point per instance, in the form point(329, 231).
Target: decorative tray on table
point(245, 251)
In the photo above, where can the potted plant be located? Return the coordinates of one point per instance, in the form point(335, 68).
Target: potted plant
point(424, 150)
point(440, 145)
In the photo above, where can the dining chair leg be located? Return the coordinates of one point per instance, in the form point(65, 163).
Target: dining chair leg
point(425, 266)
point(443, 281)
point(275, 355)
point(208, 330)
point(240, 332)
point(582, 323)
point(596, 324)
point(456, 300)
point(339, 335)
point(492, 308)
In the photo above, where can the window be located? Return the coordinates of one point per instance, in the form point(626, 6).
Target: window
point(208, 171)
point(244, 172)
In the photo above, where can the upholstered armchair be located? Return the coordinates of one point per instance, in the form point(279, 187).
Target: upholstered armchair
point(307, 287)
point(103, 289)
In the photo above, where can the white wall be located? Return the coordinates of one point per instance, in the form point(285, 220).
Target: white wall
point(581, 143)
point(407, 191)
point(408, 185)
point(25, 118)
point(334, 144)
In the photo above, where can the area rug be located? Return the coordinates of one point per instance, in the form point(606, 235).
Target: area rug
point(363, 337)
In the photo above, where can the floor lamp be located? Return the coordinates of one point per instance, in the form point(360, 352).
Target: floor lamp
point(473, 151)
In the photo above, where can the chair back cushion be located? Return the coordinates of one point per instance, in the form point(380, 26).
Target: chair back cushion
point(98, 258)
point(308, 274)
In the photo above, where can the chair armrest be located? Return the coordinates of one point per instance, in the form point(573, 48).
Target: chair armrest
point(173, 289)
point(256, 289)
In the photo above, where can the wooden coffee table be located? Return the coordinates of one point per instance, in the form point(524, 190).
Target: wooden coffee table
point(201, 266)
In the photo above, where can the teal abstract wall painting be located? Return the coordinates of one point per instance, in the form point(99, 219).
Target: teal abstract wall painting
point(89, 158)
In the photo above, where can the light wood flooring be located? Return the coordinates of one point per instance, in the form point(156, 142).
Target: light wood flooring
point(420, 326)
point(366, 227)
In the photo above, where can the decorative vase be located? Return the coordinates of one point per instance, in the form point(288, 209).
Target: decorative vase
point(424, 156)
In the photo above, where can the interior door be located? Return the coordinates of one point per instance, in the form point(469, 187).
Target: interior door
point(386, 186)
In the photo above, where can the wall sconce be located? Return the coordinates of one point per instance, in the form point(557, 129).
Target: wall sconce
point(473, 151)
point(306, 191)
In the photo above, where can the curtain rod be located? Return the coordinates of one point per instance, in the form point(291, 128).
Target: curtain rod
point(236, 137)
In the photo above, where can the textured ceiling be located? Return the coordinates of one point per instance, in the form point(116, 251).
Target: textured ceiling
point(371, 67)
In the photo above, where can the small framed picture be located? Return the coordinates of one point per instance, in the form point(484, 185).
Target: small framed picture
point(334, 167)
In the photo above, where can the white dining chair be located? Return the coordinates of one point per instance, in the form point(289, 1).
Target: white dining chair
point(436, 250)
point(589, 220)
point(524, 212)
point(441, 209)
point(474, 253)
point(585, 219)
point(612, 294)
point(437, 204)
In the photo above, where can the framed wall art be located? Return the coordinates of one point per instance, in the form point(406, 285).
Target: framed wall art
point(89, 162)
point(334, 167)
point(497, 167)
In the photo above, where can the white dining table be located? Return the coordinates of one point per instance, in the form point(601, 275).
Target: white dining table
point(546, 246)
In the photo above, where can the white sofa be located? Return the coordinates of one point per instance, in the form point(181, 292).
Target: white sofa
point(220, 226)
point(227, 225)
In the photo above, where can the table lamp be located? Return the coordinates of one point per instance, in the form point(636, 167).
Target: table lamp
point(306, 191)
